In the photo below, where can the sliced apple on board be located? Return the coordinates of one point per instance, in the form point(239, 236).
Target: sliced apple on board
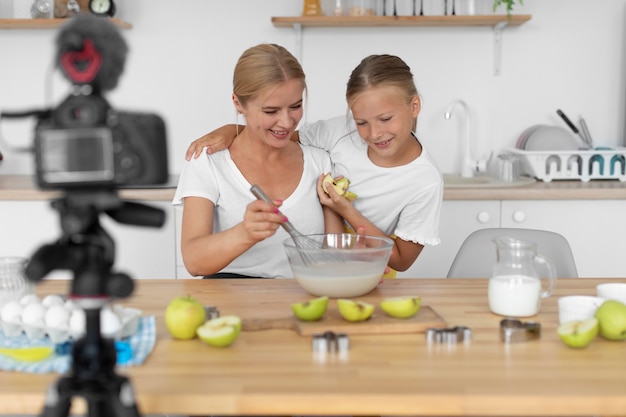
point(354, 310)
point(402, 306)
point(311, 310)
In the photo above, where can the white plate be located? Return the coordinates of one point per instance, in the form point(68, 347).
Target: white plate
point(552, 138)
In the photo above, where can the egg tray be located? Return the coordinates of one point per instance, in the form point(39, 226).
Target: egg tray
point(129, 318)
point(574, 165)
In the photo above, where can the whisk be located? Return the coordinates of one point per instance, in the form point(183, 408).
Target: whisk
point(300, 240)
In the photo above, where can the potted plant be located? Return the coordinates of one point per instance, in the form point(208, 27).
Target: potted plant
point(508, 3)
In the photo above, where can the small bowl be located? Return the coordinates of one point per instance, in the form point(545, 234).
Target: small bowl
point(612, 291)
point(340, 265)
point(578, 307)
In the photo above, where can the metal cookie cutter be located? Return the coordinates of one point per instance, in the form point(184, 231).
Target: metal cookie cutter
point(211, 312)
point(513, 330)
point(450, 335)
point(331, 342)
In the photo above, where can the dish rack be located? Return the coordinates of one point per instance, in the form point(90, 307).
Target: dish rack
point(604, 164)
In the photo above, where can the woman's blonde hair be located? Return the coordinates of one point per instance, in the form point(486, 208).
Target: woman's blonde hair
point(264, 66)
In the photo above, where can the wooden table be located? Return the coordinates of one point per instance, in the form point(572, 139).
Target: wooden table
point(274, 372)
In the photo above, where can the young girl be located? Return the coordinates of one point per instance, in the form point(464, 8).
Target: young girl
point(398, 185)
point(224, 228)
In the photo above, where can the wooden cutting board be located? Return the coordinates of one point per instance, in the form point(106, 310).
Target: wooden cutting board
point(379, 323)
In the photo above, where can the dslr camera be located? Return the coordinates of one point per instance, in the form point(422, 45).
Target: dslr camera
point(84, 143)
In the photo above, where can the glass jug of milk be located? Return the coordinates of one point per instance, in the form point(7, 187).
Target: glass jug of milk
point(515, 287)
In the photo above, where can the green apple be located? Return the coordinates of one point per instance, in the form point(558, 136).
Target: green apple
point(311, 310)
point(340, 186)
point(183, 316)
point(354, 310)
point(401, 307)
point(221, 331)
point(611, 316)
point(578, 334)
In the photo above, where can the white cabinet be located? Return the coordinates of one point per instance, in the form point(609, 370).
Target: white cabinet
point(141, 252)
point(594, 229)
point(458, 219)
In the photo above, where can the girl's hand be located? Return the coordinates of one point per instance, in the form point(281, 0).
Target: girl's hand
point(217, 140)
point(331, 199)
point(261, 219)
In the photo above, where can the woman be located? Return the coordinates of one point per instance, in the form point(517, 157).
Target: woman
point(225, 230)
point(398, 184)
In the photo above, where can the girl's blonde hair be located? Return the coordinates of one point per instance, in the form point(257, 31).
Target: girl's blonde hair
point(264, 66)
point(381, 71)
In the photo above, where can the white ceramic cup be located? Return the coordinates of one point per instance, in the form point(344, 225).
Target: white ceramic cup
point(578, 307)
point(612, 291)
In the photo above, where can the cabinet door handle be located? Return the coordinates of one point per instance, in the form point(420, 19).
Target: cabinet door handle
point(483, 217)
point(519, 216)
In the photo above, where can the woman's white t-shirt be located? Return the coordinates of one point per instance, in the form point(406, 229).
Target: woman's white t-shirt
point(217, 178)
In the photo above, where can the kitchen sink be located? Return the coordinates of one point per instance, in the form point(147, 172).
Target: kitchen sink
point(451, 180)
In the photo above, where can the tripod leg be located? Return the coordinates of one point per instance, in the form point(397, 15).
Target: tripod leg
point(58, 399)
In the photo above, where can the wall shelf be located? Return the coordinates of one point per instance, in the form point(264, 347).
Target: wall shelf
point(364, 21)
point(15, 24)
point(497, 22)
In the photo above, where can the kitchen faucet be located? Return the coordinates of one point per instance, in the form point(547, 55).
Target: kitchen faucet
point(469, 165)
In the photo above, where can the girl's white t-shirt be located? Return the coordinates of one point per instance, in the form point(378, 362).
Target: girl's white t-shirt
point(404, 201)
point(217, 178)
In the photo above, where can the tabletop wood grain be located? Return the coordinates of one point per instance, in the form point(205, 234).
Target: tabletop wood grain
point(275, 372)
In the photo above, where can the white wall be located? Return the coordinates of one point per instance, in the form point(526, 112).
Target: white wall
point(569, 56)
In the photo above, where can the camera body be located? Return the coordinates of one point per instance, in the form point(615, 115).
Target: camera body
point(84, 143)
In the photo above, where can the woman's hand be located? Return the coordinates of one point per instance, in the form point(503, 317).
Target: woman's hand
point(261, 219)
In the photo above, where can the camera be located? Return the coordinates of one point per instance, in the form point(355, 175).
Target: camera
point(84, 143)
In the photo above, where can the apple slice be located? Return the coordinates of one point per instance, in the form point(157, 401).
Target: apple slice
point(221, 331)
point(311, 310)
point(578, 334)
point(401, 307)
point(354, 310)
point(340, 186)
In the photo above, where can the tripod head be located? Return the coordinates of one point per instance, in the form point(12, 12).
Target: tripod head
point(85, 247)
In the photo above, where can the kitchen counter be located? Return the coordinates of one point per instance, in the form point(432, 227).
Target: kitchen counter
point(22, 187)
point(274, 372)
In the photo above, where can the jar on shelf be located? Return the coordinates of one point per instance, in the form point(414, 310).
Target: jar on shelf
point(363, 8)
point(13, 282)
point(336, 7)
point(312, 8)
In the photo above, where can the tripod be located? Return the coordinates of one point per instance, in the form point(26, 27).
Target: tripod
point(88, 251)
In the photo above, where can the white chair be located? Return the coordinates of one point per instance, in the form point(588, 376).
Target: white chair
point(477, 254)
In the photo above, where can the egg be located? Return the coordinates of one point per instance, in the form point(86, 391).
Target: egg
point(70, 304)
point(57, 317)
point(33, 314)
point(29, 299)
point(110, 322)
point(77, 322)
point(12, 312)
point(52, 300)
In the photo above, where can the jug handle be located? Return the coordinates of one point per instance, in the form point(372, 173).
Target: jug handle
point(540, 259)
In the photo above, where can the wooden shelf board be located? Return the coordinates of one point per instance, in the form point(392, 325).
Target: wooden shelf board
point(364, 21)
point(48, 23)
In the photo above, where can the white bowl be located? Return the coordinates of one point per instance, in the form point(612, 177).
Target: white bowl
point(578, 307)
point(612, 291)
point(339, 265)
